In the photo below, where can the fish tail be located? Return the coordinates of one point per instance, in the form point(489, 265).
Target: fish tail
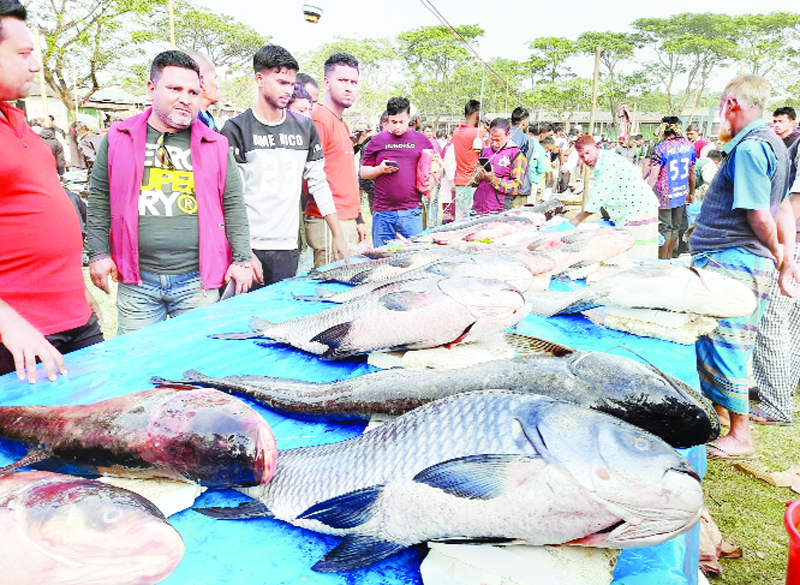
point(550, 303)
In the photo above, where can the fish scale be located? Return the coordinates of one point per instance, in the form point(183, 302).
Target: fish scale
point(395, 450)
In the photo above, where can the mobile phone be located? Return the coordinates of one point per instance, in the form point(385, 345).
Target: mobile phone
point(484, 162)
point(391, 163)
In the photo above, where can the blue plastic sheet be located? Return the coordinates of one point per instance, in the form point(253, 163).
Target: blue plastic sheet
point(269, 551)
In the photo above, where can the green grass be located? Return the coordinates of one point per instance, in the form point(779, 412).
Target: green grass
point(749, 512)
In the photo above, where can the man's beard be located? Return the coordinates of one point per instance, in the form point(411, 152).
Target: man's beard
point(725, 131)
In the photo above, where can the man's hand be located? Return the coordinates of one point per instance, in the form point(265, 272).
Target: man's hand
point(361, 228)
point(100, 270)
point(690, 198)
point(94, 306)
point(387, 169)
point(789, 278)
point(258, 269)
point(26, 344)
point(341, 249)
point(243, 275)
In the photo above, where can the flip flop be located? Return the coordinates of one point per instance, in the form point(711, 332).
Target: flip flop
point(714, 452)
point(760, 418)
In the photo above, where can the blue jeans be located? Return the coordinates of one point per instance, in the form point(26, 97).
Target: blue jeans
point(387, 224)
point(160, 296)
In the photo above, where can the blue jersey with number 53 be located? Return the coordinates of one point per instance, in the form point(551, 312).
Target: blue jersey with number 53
point(676, 158)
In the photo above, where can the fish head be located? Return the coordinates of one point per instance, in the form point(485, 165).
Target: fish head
point(94, 533)
point(652, 490)
point(645, 396)
point(211, 438)
point(495, 305)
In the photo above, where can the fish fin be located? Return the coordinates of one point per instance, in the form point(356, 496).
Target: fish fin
point(32, 457)
point(257, 327)
point(355, 552)
point(530, 345)
point(333, 336)
point(405, 300)
point(323, 294)
point(475, 477)
point(549, 303)
point(159, 381)
point(346, 511)
point(253, 509)
point(267, 342)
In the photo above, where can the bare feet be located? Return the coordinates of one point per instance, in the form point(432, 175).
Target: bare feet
point(730, 447)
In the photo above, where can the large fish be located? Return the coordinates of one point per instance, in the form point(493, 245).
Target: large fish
point(199, 435)
point(420, 314)
point(583, 248)
point(521, 216)
point(487, 231)
point(496, 267)
point(489, 466)
point(639, 394)
point(381, 269)
point(60, 530)
point(654, 285)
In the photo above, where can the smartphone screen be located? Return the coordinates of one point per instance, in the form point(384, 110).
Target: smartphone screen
point(484, 162)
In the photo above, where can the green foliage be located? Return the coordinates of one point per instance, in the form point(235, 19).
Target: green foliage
point(223, 39)
point(765, 40)
point(547, 58)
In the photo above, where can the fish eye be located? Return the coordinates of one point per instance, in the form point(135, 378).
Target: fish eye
point(641, 444)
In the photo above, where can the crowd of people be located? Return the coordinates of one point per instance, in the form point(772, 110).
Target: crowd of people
point(184, 211)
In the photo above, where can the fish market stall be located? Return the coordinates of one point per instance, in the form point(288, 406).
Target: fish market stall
point(265, 550)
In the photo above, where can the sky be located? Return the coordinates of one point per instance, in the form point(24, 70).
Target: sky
point(509, 24)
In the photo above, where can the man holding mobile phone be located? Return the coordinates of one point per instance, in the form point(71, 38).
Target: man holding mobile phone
point(391, 158)
point(500, 171)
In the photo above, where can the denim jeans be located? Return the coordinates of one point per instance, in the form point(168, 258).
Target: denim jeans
point(387, 224)
point(160, 296)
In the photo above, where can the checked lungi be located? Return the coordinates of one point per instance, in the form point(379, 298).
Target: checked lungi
point(723, 354)
point(776, 359)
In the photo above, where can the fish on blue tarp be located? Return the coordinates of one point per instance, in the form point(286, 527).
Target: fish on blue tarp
point(653, 285)
point(420, 314)
point(490, 466)
point(380, 268)
point(60, 529)
point(493, 266)
point(199, 435)
point(637, 393)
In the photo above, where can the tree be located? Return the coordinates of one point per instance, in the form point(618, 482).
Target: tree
point(432, 55)
point(227, 42)
point(766, 40)
point(87, 37)
point(547, 58)
point(614, 47)
point(689, 45)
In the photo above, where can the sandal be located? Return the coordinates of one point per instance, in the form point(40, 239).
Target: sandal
point(760, 418)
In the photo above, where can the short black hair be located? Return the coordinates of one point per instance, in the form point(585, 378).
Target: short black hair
point(675, 120)
point(471, 107)
point(345, 59)
point(300, 93)
point(398, 105)
point(540, 128)
point(172, 59)
point(305, 78)
point(500, 123)
point(715, 154)
point(274, 57)
point(519, 115)
point(13, 9)
point(786, 110)
point(693, 127)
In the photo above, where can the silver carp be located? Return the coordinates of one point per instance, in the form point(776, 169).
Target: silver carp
point(506, 268)
point(59, 529)
point(382, 268)
point(580, 249)
point(634, 392)
point(654, 285)
point(489, 466)
point(420, 314)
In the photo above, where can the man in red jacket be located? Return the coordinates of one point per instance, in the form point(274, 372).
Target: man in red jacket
point(44, 305)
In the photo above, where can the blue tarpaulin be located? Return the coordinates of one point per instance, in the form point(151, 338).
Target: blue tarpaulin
point(269, 551)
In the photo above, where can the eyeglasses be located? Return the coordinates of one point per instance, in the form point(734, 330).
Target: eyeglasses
point(162, 154)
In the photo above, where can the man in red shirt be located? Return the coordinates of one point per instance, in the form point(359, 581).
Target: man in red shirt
point(341, 91)
point(44, 305)
point(466, 158)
